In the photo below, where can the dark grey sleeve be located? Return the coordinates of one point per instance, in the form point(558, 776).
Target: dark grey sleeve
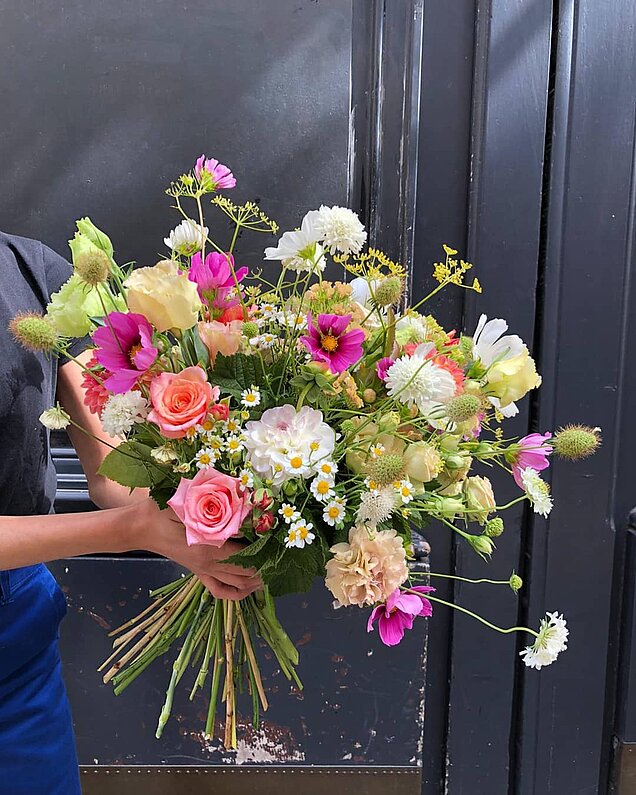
point(57, 271)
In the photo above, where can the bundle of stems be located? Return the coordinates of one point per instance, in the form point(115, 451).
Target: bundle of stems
point(217, 637)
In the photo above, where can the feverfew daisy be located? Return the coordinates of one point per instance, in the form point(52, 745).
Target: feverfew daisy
point(333, 513)
point(121, 412)
point(55, 418)
point(372, 484)
point(234, 444)
point(289, 513)
point(215, 443)
point(376, 506)
point(231, 426)
point(417, 380)
point(404, 489)
point(206, 457)
point(299, 534)
point(296, 465)
point(246, 479)
point(538, 491)
point(322, 487)
point(251, 397)
point(376, 450)
point(263, 341)
point(551, 641)
point(339, 229)
point(328, 468)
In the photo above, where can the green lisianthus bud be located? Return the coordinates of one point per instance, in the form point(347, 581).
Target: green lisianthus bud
point(290, 487)
point(575, 442)
point(494, 527)
point(87, 229)
point(515, 582)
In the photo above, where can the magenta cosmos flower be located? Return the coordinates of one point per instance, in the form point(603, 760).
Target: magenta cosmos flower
point(214, 280)
point(399, 612)
point(532, 453)
point(221, 175)
point(329, 342)
point(382, 367)
point(124, 347)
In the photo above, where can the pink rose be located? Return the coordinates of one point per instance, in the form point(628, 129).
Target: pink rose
point(181, 400)
point(222, 338)
point(212, 506)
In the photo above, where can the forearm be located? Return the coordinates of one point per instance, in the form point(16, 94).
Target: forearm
point(25, 540)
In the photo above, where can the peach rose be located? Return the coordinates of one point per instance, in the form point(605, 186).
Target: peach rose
point(222, 338)
point(181, 400)
point(212, 506)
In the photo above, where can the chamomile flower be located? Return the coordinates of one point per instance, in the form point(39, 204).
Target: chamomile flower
point(206, 457)
point(371, 484)
point(244, 415)
point(328, 468)
point(231, 425)
point(322, 487)
point(267, 311)
point(205, 428)
point(551, 641)
point(215, 443)
point(538, 491)
point(251, 397)
point(289, 513)
point(295, 464)
point(404, 489)
point(263, 341)
point(234, 444)
point(377, 450)
point(246, 478)
point(333, 513)
point(299, 534)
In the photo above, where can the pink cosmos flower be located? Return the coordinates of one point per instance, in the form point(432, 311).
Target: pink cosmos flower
point(221, 175)
point(329, 342)
point(532, 453)
point(124, 347)
point(212, 506)
point(214, 280)
point(382, 366)
point(399, 612)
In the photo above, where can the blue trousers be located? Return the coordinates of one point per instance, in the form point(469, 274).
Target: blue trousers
point(37, 746)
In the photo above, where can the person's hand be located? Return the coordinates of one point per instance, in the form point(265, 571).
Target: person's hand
point(163, 533)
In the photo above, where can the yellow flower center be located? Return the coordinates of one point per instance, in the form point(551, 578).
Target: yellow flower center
point(314, 446)
point(292, 535)
point(329, 343)
point(333, 512)
point(288, 512)
point(296, 462)
point(204, 459)
point(278, 468)
point(134, 350)
point(322, 487)
point(250, 397)
point(208, 425)
point(303, 532)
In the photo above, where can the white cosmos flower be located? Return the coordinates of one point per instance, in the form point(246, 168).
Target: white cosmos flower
point(537, 490)
point(338, 228)
point(187, 238)
point(55, 418)
point(510, 410)
point(552, 640)
point(121, 412)
point(489, 344)
point(376, 506)
point(282, 433)
point(416, 380)
point(299, 250)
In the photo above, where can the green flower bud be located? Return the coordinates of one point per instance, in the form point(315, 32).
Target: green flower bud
point(387, 469)
point(369, 395)
point(455, 461)
point(463, 407)
point(87, 229)
point(290, 487)
point(466, 346)
point(34, 332)
point(348, 427)
point(515, 582)
point(494, 527)
point(92, 267)
point(481, 544)
point(575, 442)
point(389, 291)
point(250, 329)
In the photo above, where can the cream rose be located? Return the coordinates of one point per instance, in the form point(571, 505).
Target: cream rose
point(422, 462)
point(163, 295)
point(511, 379)
point(480, 498)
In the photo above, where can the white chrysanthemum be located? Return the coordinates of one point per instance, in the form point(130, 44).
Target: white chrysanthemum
point(333, 512)
point(282, 433)
point(538, 491)
point(416, 380)
point(187, 238)
point(322, 487)
point(489, 344)
point(299, 534)
point(552, 640)
point(376, 506)
point(121, 412)
point(299, 250)
point(339, 229)
point(55, 418)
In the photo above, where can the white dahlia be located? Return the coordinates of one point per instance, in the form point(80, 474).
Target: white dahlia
point(339, 229)
point(121, 412)
point(551, 641)
point(416, 380)
point(299, 250)
point(187, 238)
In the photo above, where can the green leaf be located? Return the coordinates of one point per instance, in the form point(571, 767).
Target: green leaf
point(130, 465)
point(236, 373)
point(296, 570)
point(253, 555)
point(194, 349)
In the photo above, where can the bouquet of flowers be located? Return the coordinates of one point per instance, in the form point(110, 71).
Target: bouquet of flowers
point(314, 420)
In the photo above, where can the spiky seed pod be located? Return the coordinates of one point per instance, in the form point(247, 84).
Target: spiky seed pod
point(348, 427)
point(34, 332)
point(387, 469)
point(575, 442)
point(93, 267)
point(463, 407)
point(389, 291)
point(250, 329)
point(494, 527)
